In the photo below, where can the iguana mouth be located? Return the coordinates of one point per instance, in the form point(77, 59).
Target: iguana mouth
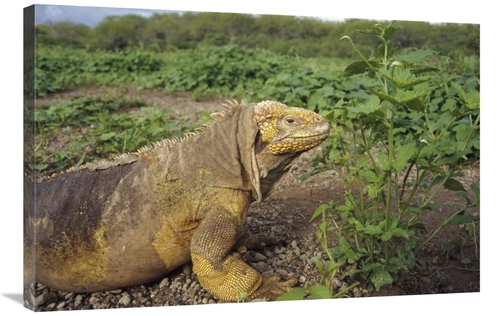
point(318, 133)
point(298, 143)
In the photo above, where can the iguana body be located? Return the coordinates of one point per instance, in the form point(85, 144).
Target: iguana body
point(134, 219)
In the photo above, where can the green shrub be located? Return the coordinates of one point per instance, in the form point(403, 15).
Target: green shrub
point(411, 135)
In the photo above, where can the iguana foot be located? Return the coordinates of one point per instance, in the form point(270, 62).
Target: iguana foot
point(271, 288)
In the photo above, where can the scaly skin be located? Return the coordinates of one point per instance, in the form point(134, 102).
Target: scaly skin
point(134, 219)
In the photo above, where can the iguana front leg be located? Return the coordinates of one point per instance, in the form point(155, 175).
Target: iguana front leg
point(221, 274)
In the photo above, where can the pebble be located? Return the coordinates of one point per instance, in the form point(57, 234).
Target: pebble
point(356, 292)
point(186, 269)
point(259, 257)
point(164, 283)
point(282, 273)
point(125, 300)
point(237, 255)
point(336, 282)
point(41, 299)
point(261, 266)
point(78, 300)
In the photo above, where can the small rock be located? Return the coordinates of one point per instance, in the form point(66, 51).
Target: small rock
point(267, 274)
point(119, 291)
point(294, 244)
point(61, 305)
point(186, 269)
point(279, 250)
point(356, 292)
point(237, 255)
point(282, 272)
point(261, 266)
point(42, 298)
point(191, 292)
point(302, 279)
point(337, 282)
point(40, 286)
point(125, 300)
point(164, 283)
point(93, 300)
point(304, 257)
point(259, 257)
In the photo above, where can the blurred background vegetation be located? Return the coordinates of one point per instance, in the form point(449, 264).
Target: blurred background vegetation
point(296, 36)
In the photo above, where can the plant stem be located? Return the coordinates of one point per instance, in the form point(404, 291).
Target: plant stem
point(389, 184)
point(437, 230)
point(345, 290)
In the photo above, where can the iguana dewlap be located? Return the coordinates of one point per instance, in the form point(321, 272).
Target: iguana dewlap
point(134, 219)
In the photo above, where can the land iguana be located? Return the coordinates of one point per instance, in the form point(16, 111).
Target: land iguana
point(133, 219)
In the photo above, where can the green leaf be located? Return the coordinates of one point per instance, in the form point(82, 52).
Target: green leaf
point(396, 264)
point(401, 77)
point(41, 166)
point(380, 278)
point(359, 67)
point(384, 161)
point(475, 189)
point(318, 291)
point(107, 136)
point(417, 56)
point(400, 232)
point(454, 185)
point(462, 131)
point(470, 99)
point(416, 105)
point(371, 266)
point(383, 96)
point(462, 219)
point(404, 153)
point(372, 230)
point(320, 210)
point(293, 295)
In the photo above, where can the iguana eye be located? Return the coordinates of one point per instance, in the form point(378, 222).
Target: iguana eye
point(290, 120)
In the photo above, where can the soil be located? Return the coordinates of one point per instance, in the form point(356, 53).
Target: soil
point(286, 214)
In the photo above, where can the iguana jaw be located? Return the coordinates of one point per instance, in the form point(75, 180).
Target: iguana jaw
point(300, 141)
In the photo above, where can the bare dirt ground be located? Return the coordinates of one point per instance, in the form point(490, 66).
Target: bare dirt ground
point(286, 214)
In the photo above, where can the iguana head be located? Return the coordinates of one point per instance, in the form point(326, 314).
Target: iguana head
point(286, 130)
point(283, 134)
